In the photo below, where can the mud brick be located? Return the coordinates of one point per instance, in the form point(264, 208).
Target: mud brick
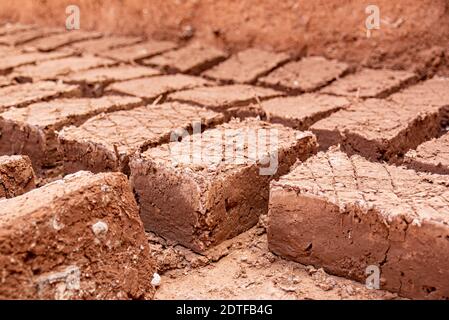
point(76, 238)
point(49, 70)
point(95, 46)
point(431, 156)
point(246, 66)
point(32, 130)
point(94, 81)
point(379, 129)
point(370, 83)
point(204, 202)
point(346, 214)
point(16, 176)
point(105, 142)
point(17, 59)
point(151, 88)
point(5, 81)
point(28, 35)
point(233, 100)
point(10, 28)
point(139, 51)
point(306, 75)
point(302, 111)
point(57, 41)
point(22, 95)
point(193, 59)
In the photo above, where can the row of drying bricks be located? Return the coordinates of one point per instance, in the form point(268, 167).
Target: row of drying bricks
point(82, 237)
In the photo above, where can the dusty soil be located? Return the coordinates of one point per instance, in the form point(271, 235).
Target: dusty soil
point(407, 38)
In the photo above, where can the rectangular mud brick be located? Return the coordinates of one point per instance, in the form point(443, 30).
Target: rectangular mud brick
point(370, 83)
point(246, 66)
point(16, 59)
point(32, 130)
point(153, 87)
point(54, 68)
point(233, 100)
point(105, 142)
point(308, 74)
point(193, 195)
point(94, 81)
point(193, 58)
point(57, 41)
point(24, 94)
point(11, 28)
point(95, 46)
point(302, 111)
point(76, 238)
point(139, 51)
point(431, 156)
point(348, 215)
point(27, 35)
point(16, 176)
point(379, 129)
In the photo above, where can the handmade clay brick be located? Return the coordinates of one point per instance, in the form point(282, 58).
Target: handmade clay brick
point(306, 75)
point(105, 142)
point(370, 83)
point(49, 70)
point(32, 130)
point(11, 28)
point(193, 58)
point(57, 41)
point(431, 156)
point(16, 176)
point(76, 238)
point(139, 51)
point(233, 100)
point(246, 66)
point(194, 193)
point(379, 129)
point(302, 111)
point(27, 35)
point(16, 59)
point(24, 94)
point(5, 81)
point(151, 88)
point(96, 46)
point(350, 216)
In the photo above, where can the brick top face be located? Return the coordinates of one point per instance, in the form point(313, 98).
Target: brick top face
point(95, 46)
point(139, 51)
point(16, 59)
point(28, 35)
point(305, 75)
point(432, 155)
point(246, 66)
point(433, 92)
point(59, 40)
point(370, 83)
point(10, 28)
point(394, 191)
point(111, 74)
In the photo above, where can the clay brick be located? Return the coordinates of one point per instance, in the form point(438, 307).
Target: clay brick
point(151, 88)
point(11, 28)
point(431, 156)
point(16, 176)
point(370, 83)
point(51, 70)
point(379, 129)
point(32, 130)
point(246, 66)
point(306, 75)
point(202, 203)
point(16, 59)
point(22, 95)
point(57, 41)
point(193, 59)
point(76, 238)
point(5, 81)
point(302, 111)
point(105, 142)
point(27, 35)
point(346, 214)
point(139, 51)
point(96, 46)
point(233, 100)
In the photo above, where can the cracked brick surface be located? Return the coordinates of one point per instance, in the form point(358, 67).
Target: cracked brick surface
point(139, 51)
point(379, 129)
point(193, 59)
point(246, 66)
point(16, 176)
point(77, 238)
point(105, 142)
point(212, 186)
point(97, 46)
point(302, 111)
point(24, 94)
point(370, 83)
point(27, 35)
point(57, 41)
point(16, 59)
point(32, 130)
point(308, 74)
point(345, 214)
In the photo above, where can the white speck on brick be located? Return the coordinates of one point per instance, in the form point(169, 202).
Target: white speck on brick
point(100, 228)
